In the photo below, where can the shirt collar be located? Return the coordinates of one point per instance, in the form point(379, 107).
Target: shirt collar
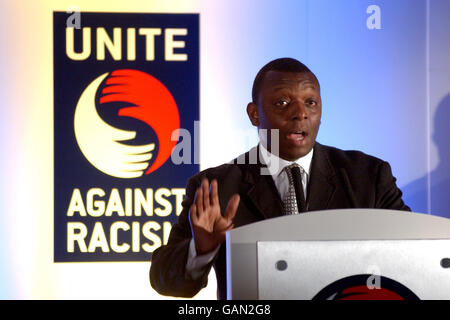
point(275, 164)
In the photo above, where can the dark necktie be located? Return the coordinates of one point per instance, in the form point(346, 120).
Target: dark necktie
point(294, 199)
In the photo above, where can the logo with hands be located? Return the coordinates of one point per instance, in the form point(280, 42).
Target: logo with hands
point(108, 148)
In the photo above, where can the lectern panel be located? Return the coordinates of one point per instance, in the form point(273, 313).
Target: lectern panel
point(361, 269)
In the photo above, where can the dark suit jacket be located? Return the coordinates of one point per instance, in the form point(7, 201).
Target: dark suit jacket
point(339, 179)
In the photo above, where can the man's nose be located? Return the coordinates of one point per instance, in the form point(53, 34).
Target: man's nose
point(298, 111)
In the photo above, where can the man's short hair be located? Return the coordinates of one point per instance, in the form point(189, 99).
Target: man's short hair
point(283, 65)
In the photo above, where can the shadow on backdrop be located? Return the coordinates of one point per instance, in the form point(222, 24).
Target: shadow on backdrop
point(415, 193)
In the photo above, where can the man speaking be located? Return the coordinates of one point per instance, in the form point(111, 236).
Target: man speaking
point(292, 174)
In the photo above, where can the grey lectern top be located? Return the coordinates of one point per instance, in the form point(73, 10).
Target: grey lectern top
point(294, 257)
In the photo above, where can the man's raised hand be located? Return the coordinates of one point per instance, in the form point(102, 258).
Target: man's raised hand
point(207, 223)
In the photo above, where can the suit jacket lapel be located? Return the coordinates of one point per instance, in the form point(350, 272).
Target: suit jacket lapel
point(261, 190)
point(322, 180)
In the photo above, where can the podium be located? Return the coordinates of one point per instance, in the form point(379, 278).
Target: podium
point(341, 254)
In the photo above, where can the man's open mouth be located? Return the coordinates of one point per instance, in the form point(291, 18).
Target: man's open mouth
point(297, 135)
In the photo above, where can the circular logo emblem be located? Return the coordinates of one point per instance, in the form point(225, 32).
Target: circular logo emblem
point(113, 150)
point(356, 288)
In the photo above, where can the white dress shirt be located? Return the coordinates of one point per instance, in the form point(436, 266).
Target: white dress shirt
point(195, 264)
point(276, 166)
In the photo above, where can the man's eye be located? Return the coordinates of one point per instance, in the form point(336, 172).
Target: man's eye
point(311, 103)
point(281, 103)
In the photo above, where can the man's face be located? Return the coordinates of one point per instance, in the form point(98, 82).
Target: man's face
point(291, 103)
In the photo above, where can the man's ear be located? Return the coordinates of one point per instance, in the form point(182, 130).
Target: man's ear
point(252, 111)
